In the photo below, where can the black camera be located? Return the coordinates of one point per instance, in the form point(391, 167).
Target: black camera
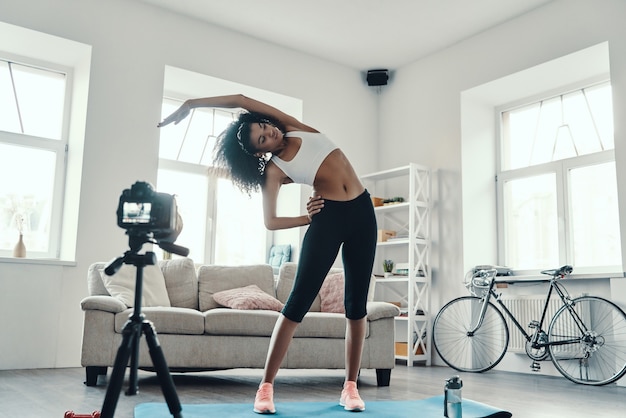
point(143, 211)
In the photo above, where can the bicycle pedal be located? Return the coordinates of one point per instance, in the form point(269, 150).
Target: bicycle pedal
point(533, 324)
point(535, 366)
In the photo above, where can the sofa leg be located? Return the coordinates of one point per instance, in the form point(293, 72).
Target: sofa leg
point(383, 377)
point(92, 373)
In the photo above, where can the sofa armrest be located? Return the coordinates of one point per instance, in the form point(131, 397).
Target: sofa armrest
point(103, 303)
point(380, 310)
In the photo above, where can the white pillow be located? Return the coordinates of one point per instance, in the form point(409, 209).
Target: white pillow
point(122, 286)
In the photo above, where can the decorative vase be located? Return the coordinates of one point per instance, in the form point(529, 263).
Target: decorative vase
point(19, 250)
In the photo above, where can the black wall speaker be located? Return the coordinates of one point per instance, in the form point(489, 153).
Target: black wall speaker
point(377, 77)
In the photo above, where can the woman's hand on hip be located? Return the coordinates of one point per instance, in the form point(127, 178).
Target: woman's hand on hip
point(314, 206)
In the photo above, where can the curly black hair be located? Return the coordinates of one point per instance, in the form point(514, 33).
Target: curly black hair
point(237, 156)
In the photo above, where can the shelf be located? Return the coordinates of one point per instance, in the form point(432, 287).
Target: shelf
point(402, 241)
point(390, 242)
point(420, 318)
point(400, 206)
point(387, 174)
point(394, 172)
point(411, 221)
point(391, 208)
point(402, 279)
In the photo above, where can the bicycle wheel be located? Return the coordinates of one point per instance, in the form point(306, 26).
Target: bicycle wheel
point(588, 344)
point(466, 351)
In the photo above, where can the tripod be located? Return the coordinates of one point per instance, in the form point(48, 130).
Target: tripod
point(133, 329)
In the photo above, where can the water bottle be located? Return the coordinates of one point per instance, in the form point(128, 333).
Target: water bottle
point(452, 407)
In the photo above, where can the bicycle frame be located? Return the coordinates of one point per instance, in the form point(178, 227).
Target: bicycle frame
point(554, 287)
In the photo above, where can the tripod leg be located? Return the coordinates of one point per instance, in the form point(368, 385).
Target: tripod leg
point(119, 369)
point(133, 385)
point(163, 372)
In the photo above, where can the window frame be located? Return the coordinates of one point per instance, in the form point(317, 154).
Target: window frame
point(560, 168)
point(59, 146)
point(197, 169)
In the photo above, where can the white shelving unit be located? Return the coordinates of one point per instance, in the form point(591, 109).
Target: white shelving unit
point(411, 249)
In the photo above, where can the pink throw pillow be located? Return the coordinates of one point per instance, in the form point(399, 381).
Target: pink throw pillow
point(248, 298)
point(331, 294)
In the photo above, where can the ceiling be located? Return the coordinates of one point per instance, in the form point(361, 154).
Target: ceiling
point(362, 34)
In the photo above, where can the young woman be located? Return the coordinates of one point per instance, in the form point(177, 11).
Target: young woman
point(266, 148)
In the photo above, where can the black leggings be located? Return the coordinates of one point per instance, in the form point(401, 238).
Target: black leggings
point(353, 224)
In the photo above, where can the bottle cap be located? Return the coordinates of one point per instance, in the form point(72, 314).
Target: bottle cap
point(454, 382)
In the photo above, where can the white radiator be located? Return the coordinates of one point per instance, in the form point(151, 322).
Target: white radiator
point(526, 309)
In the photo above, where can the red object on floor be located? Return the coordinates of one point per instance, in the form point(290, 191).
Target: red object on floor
point(72, 414)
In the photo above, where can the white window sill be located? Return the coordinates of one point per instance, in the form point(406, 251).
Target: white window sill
point(538, 277)
point(37, 261)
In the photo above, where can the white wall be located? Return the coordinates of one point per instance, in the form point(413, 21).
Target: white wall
point(41, 320)
point(421, 114)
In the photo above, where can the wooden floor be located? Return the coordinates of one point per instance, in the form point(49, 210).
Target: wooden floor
point(50, 392)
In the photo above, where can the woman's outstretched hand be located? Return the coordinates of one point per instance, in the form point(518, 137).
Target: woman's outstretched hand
point(314, 206)
point(181, 113)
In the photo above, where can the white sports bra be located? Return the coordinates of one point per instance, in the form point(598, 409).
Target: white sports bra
point(314, 149)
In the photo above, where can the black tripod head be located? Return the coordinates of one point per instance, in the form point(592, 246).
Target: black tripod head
point(132, 256)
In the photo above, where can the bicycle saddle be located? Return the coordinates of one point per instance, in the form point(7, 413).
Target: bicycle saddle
point(563, 271)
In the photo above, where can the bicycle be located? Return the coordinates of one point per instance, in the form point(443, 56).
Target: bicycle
point(586, 337)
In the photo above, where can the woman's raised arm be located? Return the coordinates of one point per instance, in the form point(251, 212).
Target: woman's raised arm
point(235, 101)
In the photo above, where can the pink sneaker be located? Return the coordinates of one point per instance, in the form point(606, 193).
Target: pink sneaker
point(350, 399)
point(264, 400)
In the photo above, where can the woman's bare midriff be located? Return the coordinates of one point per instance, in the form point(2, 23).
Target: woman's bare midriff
point(336, 179)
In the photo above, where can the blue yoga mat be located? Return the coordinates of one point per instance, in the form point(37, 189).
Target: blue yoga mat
point(425, 408)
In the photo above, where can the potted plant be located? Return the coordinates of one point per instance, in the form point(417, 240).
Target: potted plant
point(387, 267)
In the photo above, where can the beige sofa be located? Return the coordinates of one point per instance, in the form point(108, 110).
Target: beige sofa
point(198, 334)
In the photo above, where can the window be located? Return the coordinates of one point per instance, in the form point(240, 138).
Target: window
point(222, 225)
point(33, 144)
point(557, 189)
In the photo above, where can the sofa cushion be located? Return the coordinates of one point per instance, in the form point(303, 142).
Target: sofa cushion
point(213, 279)
point(225, 321)
point(332, 294)
point(122, 286)
point(324, 325)
point(248, 298)
point(167, 320)
point(181, 282)
point(260, 323)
